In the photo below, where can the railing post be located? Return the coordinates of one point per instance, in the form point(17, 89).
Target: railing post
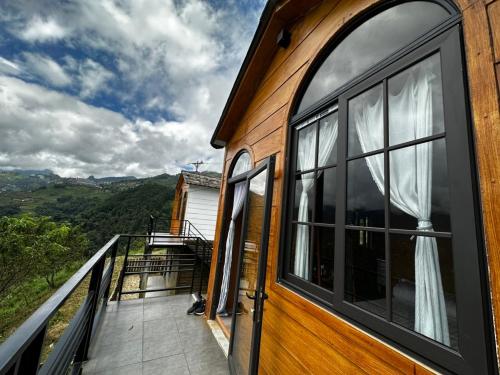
point(29, 362)
point(94, 286)
point(114, 250)
point(122, 273)
point(201, 270)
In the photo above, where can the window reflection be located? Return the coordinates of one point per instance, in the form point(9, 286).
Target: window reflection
point(325, 195)
point(324, 249)
point(365, 270)
point(365, 202)
point(370, 43)
point(243, 164)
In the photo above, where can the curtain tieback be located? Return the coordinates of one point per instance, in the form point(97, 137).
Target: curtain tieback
point(422, 225)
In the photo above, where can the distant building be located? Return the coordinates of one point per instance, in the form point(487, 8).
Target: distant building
point(196, 201)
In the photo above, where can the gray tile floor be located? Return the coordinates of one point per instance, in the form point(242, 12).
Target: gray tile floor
point(154, 336)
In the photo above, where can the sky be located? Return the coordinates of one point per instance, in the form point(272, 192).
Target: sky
point(117, 87)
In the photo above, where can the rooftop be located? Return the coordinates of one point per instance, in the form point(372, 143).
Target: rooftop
point(199, 179)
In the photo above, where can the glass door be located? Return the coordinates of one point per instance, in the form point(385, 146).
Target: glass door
point(249, 293)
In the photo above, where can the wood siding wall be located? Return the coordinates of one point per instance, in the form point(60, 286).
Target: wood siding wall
point(176, 206)
point(298, 336)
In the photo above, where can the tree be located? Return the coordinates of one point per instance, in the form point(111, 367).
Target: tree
point(36, 246)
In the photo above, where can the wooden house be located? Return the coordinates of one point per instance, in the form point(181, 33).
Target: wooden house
point(358, 219)
point(196, 200)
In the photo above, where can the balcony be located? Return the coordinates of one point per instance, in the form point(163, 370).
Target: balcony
point(154, 336)
point(111, 333)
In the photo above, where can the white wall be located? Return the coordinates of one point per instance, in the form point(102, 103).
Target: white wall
point(201, 209)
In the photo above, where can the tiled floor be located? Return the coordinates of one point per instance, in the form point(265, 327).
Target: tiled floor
point(155, 336)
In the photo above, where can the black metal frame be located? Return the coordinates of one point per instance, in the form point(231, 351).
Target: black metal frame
point(226, 211)
point(475, 336)
point(260, 295)
point(199, 259)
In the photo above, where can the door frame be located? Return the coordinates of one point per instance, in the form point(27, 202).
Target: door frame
point(219, 270)
point(260, 295)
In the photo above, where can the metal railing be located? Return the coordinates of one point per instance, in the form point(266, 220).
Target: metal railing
point(164, 264)
point(20, 354)
point(185, 231)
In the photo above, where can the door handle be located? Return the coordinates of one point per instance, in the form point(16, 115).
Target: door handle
point(253, 297)
point(249, 296)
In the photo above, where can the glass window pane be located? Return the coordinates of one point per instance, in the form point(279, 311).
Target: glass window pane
point(403, 285)
point(301, 242)
point(365, 270)
point(324, 250)
point(243, 164)
point(365, 197)
point(326, 188)
point(419, 187)
point(328, 131)
point(370, 43)
point(306, 148)
point(303, 204)
point(248, 270)
point(366, 122)
point(416, 102)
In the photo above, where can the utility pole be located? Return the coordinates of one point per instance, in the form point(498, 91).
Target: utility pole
point(197, 164)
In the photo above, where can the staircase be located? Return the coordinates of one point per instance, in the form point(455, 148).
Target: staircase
point(181, 259)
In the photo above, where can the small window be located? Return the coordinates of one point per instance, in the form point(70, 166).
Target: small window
point(243, 164)
point(378, 224)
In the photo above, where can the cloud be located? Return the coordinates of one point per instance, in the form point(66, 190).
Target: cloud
point(39, 30)
point(41, 128)
point(9, 67)
point(46, 68)
point(162, 68)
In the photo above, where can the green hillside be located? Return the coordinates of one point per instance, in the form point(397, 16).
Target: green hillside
point(101, 207)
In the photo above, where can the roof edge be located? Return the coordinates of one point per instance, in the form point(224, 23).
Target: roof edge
point(259, 32)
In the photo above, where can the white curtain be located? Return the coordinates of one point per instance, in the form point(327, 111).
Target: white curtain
point(305, 159)
point(411, 186)
point(238, 199)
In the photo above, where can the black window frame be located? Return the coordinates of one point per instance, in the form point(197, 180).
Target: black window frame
point(476, 341)
point(231, 182)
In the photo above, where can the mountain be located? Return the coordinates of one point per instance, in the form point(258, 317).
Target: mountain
point(30, 180)
point(100, 206)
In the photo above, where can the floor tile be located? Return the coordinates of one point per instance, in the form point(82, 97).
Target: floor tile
point(135, 369)
point(155, 336)
point(172, 365)
point(217, 368)
point(119, 355)
point(159, 327)
point(161, 346)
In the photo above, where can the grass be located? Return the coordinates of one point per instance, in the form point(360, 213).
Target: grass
point(18, 305)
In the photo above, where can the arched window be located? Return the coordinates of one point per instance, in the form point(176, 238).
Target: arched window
point(242, 164)
point(379, 221)
point(369, 43)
